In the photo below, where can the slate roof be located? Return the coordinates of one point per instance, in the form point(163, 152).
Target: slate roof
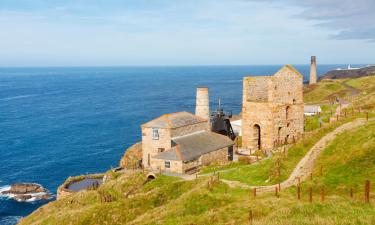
point(192, 146)
point(174, 120)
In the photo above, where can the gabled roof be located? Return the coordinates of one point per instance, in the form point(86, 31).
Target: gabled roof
point(174, 120)
point(192, 146)
point(290, 67)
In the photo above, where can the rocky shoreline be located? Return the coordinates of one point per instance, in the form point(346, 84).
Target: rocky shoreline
point(23, 192)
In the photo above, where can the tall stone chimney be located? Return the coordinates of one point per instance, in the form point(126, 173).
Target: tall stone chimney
point(313, 70)
point(202, 107)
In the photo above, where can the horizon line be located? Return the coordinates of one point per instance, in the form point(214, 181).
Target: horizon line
point(177, 65)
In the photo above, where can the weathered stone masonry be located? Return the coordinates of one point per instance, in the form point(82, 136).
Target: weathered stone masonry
point(272, 110)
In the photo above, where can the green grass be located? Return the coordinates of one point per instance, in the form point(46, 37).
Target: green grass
point(313, 122)
point(324, 91)
point(265, 172)
point(214, 168)
point(348, 161)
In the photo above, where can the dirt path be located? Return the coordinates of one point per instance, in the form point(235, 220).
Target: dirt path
point(306, 164)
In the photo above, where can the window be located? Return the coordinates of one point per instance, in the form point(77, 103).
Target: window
point(167, 164)
point(155, 134)
point(161, 150)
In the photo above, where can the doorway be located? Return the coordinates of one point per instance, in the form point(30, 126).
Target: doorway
point(257, 136)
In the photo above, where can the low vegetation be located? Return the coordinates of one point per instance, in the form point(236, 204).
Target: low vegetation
point(325, 91)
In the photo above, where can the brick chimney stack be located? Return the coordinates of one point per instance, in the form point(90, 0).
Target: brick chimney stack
point(202, 107)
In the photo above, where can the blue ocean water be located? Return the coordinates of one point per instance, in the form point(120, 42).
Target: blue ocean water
point(60, 122)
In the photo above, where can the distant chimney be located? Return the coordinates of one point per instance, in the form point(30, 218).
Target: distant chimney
point(202, 107)
point(313, 70)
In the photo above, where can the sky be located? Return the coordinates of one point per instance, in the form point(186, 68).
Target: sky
point(185, 32)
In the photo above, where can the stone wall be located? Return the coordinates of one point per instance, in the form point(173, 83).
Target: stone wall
point(175, 166)
point(220, 156)
point(256, 88)
point(151, 147)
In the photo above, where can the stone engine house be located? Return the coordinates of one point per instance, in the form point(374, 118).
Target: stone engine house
point(272, 109)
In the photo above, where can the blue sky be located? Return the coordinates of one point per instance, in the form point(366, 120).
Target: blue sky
point(180, 32)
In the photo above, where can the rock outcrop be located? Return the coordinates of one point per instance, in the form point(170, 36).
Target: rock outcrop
point(353, 73)
point(132, 156)
point(27, 191)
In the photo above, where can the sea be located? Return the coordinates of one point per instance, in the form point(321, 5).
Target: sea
point(57, 122)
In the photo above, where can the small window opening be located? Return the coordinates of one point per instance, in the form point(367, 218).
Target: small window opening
point(155, 134)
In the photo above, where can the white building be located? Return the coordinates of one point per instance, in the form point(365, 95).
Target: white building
point(311, 110)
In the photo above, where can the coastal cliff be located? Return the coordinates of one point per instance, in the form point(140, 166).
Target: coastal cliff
point(352, 73)
point(132, 156)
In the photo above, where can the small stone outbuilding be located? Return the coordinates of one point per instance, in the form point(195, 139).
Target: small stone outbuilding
point(181, 143)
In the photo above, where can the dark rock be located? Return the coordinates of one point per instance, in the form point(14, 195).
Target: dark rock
point(25, 191)
point(25, 188)
point(22, 198)
point(46, 196)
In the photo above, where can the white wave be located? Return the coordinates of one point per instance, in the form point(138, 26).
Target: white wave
point(17, 97)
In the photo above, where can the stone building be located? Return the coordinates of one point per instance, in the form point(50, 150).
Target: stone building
point(272, 109)
point(181, 143)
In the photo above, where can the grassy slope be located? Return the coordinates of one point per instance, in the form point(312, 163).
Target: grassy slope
point(348, 161)
point(325, 91)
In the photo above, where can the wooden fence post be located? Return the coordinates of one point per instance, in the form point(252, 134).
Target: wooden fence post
point(351, 193)
point(251, 217)
point(322, 194)
point(299, 192)
point(367, 191)
point(255, 192)
point(310, 194)
point(366, 116)
point(276, 192)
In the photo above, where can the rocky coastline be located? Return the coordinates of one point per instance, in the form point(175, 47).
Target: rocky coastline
point(23, 192)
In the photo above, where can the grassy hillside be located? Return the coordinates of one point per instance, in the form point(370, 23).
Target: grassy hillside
point(347, 162)
point(325, 91)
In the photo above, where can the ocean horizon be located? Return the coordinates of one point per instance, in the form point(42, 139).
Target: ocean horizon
point(57, 122)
